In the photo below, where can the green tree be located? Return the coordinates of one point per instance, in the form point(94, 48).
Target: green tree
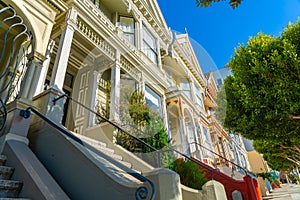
point(205, 3)
point(263, 93)
point(220, 110)
point(278, 158)
point(142, 122)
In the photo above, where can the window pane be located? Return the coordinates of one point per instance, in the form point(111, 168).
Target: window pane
point(129, 37)
point(127, 24)
point(184, 84)
point(149, 45)
point(152, 99)
point(198, 96)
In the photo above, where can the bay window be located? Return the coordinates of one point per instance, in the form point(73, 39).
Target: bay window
point(185, 86)
point(149, 47)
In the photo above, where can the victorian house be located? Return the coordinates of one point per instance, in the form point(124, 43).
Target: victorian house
point(70, 73)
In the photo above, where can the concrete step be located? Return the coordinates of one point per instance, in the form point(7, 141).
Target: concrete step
point(90, 140)
point(10, 188)
point(6, 172)
point(102, 147)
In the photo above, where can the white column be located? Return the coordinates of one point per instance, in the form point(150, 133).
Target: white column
point(138, 33)
point(184, 137)
point(32, 75)
point(44, 70)
point(192, 89)
point(63, 52)
point(164, 109)
point(115, 92)
point(159, 63)
point(95, 76)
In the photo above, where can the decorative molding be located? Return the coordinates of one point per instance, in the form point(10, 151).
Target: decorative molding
point(95, 38)
point(130, 68)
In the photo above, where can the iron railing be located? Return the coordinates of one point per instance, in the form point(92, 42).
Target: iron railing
point(15, 40)
point(156, 156)
point(222, 157)
point(152, 156)
point(141, 192)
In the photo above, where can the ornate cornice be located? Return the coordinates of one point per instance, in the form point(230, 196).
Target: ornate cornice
point(160, 28)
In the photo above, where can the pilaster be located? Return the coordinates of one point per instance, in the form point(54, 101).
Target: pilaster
point(95, 76)
point(115, 92)
point(33, 73)
point(159, 63)
point(45, 66)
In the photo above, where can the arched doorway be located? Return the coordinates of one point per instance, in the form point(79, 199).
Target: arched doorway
point(174, 127)
point(189, 138)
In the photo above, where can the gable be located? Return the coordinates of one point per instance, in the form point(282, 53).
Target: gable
point(156, 12)
point(152, 13)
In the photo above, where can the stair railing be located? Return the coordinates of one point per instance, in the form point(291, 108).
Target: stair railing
point(118, 127)
point(141, 192)
point(222, 157)
point(16, 39)
point(175, 151)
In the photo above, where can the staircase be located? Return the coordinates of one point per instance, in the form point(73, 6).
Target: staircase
point(102, 147)
point(9, 189)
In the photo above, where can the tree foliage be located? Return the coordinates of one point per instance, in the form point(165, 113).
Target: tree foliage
point(263, 93)
point(142, 122)
point(205, 3)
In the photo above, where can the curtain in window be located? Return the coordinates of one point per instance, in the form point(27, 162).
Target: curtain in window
point(126, 24)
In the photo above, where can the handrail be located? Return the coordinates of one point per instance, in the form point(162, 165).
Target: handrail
point(106, 120)
point(144, 143)
point(26, 114)
point(126, 132)
point(220, 157)
point(141, 191)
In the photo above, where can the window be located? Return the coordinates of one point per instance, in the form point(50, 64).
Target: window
point(219, 81)
point(149, 45)
point(185, 86)
point(207, 142)
point(191, 140)
point(153, 100)
point(126, 24)
point(169, 77)
point(198, 96)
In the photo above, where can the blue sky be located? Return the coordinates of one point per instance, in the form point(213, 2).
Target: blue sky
point(219, 29)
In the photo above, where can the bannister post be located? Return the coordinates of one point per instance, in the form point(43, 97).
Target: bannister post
point(44, 102)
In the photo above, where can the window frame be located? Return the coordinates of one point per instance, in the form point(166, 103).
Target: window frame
point(125, 32)
point(146, 46)
point(156, 96)
point(199, 99)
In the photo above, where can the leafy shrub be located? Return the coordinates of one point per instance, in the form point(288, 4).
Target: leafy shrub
point(189, 172)
point(266, 175)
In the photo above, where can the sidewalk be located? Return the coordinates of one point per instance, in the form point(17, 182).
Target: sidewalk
point(286, 192)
